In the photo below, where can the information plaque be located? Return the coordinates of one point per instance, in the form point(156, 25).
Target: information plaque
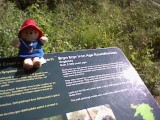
point(97, 84)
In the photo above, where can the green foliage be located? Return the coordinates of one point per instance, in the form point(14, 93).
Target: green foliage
point(85, 24)
point(10, 22)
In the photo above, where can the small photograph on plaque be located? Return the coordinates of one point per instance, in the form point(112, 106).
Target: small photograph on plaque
point(102, 112)
point(58, 117)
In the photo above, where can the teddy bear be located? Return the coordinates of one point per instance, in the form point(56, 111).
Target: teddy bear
point(30, 41)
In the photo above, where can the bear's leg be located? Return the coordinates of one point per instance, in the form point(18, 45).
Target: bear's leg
point(28, 64)
point(37, 62)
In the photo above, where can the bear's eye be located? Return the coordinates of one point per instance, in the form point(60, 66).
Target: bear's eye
point(30, 32)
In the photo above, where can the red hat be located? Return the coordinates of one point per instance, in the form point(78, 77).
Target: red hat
point(31, 23)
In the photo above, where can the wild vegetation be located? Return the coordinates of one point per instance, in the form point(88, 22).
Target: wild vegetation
point(130, 25)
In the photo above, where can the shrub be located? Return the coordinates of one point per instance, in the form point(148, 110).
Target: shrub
point(10, 23)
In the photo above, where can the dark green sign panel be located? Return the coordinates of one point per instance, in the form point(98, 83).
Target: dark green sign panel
point(96, 84)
